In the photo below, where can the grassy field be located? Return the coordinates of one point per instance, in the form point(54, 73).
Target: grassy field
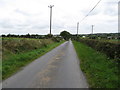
point(100, 71)
point(20, 52)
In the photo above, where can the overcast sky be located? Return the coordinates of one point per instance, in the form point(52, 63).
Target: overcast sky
point(32, 16)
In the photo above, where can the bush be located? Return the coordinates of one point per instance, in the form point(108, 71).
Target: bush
point(15, 46)
point(110, 49)
point(48, 36)
point(57, 39)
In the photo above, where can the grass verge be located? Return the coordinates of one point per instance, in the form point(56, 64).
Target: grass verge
point(15, 62)
point(100, 72)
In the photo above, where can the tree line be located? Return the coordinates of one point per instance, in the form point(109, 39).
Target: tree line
point(66, 35)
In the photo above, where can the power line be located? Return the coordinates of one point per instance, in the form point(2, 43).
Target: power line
point(91, 10)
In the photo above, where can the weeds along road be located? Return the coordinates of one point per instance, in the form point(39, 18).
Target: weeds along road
point(58, 68)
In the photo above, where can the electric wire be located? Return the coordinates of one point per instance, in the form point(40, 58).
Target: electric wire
point(91, 10)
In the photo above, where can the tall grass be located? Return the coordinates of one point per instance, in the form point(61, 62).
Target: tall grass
point(100, 72)
point(14, 46)
point(19, 52)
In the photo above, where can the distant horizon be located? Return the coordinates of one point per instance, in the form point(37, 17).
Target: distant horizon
point(59, 34)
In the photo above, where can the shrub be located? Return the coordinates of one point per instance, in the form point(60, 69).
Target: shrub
point(15, 46)
point(57, 39)
point(110, 49)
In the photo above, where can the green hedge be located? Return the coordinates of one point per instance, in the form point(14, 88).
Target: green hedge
point(112, 50)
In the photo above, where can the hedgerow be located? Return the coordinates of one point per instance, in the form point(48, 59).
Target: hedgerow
point(112, 50)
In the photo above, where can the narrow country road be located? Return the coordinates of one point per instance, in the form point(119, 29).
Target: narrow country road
point(58, 68)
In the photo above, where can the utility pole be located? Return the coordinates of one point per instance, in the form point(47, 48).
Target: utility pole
point(92, 28)
point(77, 28)
point(50, 16)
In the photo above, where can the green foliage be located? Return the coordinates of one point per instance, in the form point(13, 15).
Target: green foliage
point(19, 52)
point(100, 72)
point(25, 36)
point(110, 49)
point(66, 35)
point(57, 39)
point(49, 36)
point(14, 45)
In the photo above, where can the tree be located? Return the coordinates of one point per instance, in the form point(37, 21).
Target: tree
point(66, 35)
point(49, 36)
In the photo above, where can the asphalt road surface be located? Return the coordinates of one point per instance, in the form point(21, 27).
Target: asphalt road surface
point(58, 68)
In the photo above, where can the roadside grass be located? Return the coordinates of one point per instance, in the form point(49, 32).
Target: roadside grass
point(100, 71)
point(14, 62)
point(11, 46)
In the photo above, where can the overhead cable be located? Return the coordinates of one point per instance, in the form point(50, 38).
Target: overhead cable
point(91, 10)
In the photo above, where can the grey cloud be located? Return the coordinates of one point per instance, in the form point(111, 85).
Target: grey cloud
point(23, 25)
point(2, 3)
point(6, 24)
point(111, 3)
point(94, 12)
point(111, 21)
point(39, 27)
point(110, 11)
point(110, 8)
point(22, 12)
point(60, 26)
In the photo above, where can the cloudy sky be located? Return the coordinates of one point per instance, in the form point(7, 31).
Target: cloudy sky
point(32, 16)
